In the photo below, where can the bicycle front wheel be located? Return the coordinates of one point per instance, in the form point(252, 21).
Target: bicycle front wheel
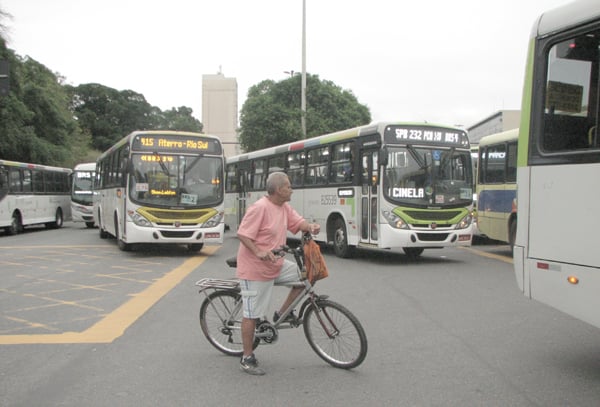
point(335, 334)
point(221, 321)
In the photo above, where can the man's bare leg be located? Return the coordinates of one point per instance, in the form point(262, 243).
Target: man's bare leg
point(248, 327)
point(294, 293)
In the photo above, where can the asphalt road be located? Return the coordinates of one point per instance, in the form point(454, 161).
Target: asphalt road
point(83, 324)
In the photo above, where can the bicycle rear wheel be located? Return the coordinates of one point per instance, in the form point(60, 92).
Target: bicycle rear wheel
point(335, 334)
point(221, 321)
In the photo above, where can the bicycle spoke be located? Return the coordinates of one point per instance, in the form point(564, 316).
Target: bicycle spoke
point(220, 320)
point(335, 335)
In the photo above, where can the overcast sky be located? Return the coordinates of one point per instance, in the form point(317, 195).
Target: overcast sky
point(443, 61)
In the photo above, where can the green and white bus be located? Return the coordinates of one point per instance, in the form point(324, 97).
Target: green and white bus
point(82, 194)
point(161, 187)
point(497, 186)
point(33, 194)
point(556, 256)
point(383, 186)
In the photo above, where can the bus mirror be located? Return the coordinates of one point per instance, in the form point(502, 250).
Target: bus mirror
point(383, 156)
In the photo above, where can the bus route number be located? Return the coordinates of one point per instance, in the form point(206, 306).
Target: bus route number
point(418, 135)
point(147, 141)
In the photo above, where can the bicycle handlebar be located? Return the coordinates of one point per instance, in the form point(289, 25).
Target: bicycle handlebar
point(297, 252)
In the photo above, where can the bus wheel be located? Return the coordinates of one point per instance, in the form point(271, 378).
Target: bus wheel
point(340, 239)
point(413, 252)
point(16, 225)
point(195, 247)
point(58, 223)
point(103, 232)
point(125, 247)
point(58, 220)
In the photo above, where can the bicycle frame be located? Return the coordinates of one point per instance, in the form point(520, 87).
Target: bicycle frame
point(308, 291)
point(331, 330)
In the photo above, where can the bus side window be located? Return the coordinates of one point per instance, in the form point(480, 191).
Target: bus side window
point(3, 180)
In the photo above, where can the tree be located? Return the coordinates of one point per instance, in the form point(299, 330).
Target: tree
point(46, 122)
point(35, 122)
point(108, 114)
point(180, 119)
point(271, 114)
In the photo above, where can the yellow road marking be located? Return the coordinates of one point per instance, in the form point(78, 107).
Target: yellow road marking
point(505, 259)
point(114, 324)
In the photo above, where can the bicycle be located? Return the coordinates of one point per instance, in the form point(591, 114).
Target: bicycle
point(332, 331)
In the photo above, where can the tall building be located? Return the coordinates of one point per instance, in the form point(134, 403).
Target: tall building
point(220, 110)
point(498, 122)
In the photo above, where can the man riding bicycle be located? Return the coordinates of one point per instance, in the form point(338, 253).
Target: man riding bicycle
point(264, 228)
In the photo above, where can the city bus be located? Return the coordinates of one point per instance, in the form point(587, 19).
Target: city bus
point(33, 194)
point(497, 186)
point(382, 186)
point(82, 204)
point(161, 187)
point(556, 257)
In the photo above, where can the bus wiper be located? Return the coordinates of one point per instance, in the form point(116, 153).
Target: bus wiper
point(189, 167)
point(415, 155)
point(162, 165)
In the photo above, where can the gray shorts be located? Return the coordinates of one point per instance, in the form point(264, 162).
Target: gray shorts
point(256, 295)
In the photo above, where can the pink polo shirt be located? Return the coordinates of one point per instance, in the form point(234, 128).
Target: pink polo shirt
point(267, 225)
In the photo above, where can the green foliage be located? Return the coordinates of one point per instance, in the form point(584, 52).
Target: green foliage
point(35, 122)
point(180, 119)
point(108, 114)
point(271, 114)
point(45, 122)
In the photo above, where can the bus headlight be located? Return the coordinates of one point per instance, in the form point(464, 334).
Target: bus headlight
point(394, 220)
point(214, 221)
point(465, 222)
point(138, 219)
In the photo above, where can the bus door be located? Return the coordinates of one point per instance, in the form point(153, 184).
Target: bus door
point(369, 232)
point(243, 182)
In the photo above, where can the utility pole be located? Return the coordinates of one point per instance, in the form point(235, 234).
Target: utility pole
point(303, 91)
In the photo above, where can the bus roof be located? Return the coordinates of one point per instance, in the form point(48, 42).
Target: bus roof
point(509, 135)
point(85, 167)
point(567, 16)
point(33, 166)
point(331, 138)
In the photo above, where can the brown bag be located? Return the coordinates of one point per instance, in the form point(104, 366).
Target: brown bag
point(314, 262)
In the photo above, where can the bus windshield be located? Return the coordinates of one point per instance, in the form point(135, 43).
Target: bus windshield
point(82, 187)
point(424, 176)
point(175, 180)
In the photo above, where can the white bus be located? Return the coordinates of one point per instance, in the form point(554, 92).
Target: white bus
point(161, 187)
point(556, 256)
point(497, 186)
point(385, 185)
point(33, 194)
point(82, 194)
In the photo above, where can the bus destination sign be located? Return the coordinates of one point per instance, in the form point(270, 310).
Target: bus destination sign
point(175, 144)
point(426, 135)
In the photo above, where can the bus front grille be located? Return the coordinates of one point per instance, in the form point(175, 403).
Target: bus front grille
point(177, 233)
point(172, 215)
point(432, 237)
point(431, 216)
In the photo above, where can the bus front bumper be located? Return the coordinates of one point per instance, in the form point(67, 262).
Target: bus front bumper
point(177, 235)
point(393, 238)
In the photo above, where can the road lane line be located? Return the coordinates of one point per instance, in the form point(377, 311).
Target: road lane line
point(114, 324)
point(505, 259)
